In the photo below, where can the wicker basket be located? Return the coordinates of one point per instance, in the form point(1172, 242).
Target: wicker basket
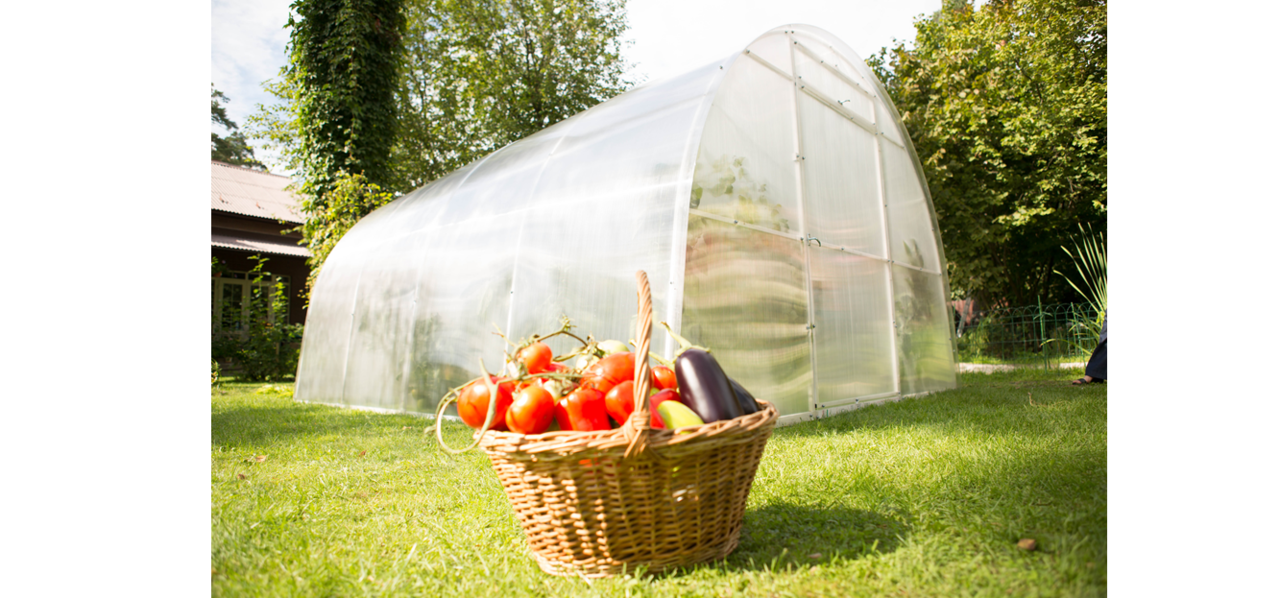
point(596, 504)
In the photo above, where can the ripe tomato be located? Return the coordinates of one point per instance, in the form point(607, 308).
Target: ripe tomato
point(655, 422)
point(561, 412)
point(597, 383)
point(620, 401)
point(536, 357)
point(585, 410)
point(531, 411)
point(663, 378)
point(473, 404)
point(616, 368)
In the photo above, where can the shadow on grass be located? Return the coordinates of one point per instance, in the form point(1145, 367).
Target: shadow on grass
point(782, 534)
point(792, 536)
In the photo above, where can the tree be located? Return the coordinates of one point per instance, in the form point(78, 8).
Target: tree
point(1007, 107)
point(471, 76)
point(475, 75)
point(343, 61)
point(479, 74)
point(352, 197)
point(232, 149)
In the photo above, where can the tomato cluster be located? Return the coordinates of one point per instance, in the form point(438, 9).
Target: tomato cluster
point(540, 390)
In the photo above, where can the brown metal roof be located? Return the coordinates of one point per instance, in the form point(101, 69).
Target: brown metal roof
point(257, 244)
point(252, 193)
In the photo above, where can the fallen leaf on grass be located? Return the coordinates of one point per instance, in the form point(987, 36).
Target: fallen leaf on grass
point(362, 452)
point(1027, 544)
point(816, 555)
point(256, 459)
point(242, 476)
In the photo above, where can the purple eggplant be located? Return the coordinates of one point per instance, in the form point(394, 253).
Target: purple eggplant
point(745, 400)
point(704, 387)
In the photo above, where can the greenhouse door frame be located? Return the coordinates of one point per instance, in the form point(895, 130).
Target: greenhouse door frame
point(818, 407)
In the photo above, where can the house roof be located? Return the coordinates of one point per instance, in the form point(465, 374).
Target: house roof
point(259, 244)
point(252, 193)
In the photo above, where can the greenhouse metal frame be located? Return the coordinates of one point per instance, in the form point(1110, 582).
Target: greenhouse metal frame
point(773, 197)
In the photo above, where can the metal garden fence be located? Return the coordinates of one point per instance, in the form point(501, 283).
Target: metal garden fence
point(1045, 335)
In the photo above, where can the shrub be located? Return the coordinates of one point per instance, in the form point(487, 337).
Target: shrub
point(268, 347)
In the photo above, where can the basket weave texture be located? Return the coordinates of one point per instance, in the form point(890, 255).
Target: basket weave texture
point(597, 504)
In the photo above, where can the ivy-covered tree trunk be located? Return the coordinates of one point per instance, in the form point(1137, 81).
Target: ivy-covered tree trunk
point(344, 56)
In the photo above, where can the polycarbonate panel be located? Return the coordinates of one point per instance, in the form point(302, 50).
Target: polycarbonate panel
point(420, 209)
point(627, 150)
point(502, 182)
point(323, 359)
point(841, 180)
point(926, 362)
point(885, 123)
point(746, 161)
point(462, 294)
point(911, 236)
point(745, 299)
point(599, 294)
point(843, 60)
point(814, 75)
point(774, 49)
point(853, 354)
point(382, 317)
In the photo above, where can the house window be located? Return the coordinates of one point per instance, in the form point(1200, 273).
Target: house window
point(234, 294)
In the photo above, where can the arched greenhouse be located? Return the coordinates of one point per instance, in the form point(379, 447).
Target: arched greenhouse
point(773, 198)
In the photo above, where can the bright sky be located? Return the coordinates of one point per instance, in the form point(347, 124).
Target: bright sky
point(669, 37)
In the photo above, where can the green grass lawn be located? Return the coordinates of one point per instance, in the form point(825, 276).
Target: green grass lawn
point(925, 497)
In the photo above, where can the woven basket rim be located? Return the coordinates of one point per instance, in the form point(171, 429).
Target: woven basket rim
point(570, 444)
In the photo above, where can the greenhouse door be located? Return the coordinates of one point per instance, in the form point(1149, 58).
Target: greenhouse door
point(854, 357)
point(851, 306)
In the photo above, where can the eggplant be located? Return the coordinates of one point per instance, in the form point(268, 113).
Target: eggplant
point(746, 402)
point(704, 387)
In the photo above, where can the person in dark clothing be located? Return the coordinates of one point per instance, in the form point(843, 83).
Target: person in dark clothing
point(1096, 369)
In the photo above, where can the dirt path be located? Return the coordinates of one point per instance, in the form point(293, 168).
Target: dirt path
point(987, 368)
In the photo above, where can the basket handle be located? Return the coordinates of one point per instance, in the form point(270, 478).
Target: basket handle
point(637, 426)
point(488, 418)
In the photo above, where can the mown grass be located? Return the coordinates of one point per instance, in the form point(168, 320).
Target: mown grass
point(925, 497)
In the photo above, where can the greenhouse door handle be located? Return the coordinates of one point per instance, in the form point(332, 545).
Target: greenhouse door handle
point(813, 238)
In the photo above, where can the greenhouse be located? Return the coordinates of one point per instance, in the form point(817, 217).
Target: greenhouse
point(773, 198)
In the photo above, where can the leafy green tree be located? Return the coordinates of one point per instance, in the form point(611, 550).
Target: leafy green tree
point(234, 148)
point(352, 197)
point(479, 74)
point(474, 76)
point(1007, 107)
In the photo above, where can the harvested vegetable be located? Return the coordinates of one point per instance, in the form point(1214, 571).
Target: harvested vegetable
point(675, 415)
